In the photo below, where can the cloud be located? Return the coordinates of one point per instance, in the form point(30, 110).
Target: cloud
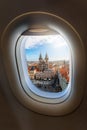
point(32, 41)
point(54, 45)
point(54, 40)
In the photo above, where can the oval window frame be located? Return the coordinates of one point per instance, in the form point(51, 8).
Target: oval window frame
point(41, 96)
point(9, 40)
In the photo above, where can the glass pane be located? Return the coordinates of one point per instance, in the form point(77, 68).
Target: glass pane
point(48, 62)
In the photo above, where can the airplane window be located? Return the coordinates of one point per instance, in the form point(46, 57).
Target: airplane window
point(47, 57)
point(46, 62)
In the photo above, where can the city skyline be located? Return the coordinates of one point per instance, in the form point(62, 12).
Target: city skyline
point(54, 45)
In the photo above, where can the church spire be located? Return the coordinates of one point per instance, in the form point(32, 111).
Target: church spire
point(46, 57)
point(40, 57)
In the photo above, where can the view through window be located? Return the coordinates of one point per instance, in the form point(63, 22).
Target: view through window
point(48, 62)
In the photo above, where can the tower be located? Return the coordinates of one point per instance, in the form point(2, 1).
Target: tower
point(40, 57)
point(46, 58)
point(46, 61)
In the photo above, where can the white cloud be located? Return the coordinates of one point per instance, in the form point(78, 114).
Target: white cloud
point(54, 40)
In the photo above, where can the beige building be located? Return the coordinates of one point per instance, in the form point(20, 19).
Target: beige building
point(47, 74)
point(32, 73)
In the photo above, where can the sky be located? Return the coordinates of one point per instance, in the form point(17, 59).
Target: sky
point(54, 45)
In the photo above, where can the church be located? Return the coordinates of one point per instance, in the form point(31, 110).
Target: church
point(43, 63)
